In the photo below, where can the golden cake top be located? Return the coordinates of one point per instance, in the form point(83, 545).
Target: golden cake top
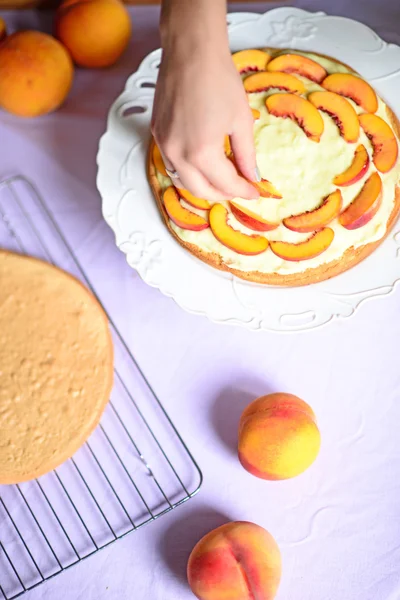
point(56, 362)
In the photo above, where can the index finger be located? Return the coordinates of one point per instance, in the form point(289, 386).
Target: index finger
point(220, 171)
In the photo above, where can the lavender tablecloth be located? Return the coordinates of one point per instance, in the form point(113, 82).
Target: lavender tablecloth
point(338, 525)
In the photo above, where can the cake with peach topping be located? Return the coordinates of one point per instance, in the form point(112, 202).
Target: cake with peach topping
point(327, 152)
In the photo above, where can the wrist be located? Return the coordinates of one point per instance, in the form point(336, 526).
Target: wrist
point(188, 27)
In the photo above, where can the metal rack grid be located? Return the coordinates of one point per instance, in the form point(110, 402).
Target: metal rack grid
point(133, 469)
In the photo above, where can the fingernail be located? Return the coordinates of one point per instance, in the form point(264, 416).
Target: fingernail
point(258, 175)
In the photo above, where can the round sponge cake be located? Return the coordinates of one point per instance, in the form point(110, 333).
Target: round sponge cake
point(327, 151)
point(56, 366)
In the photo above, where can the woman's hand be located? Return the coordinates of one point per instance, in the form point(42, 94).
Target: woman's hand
point(199, 100)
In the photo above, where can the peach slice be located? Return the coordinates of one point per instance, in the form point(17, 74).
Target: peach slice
point(356, 170)
point(179, 215)
point(383, 141)
point(250, 219)
point(315, 245)
point(194, 201)
point(3, 29)
point(227, 146)
point(352, 87)
point(251, 60)
point(229, 237)
point(158, 161)
point(341, 112)
point(298, 109)
point(365, 205)
point(256, 114)
point(316, 219)
point(262, 82)
point(295, 63)
point(266, 189)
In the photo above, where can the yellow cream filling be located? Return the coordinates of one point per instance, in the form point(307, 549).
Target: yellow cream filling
point(303, 171)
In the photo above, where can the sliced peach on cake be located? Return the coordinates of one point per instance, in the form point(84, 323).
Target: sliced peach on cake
point(302, 65)
point(251, 219)
point(194, 201)
point(266, 189)
point(314, 246)
point(353, 87)
point(383, 141)
point(356, 170)
point(251, 60)
point(181, 216)
point(256, 114)
point(365, 205)
point(262, 82)
point(316, 219)
point(299, 110)
point(3, 30)
point(158, 160)
point(227, 146)
point(341, 112)
point(231, 238)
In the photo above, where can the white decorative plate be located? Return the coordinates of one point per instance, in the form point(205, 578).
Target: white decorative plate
point(131, 211)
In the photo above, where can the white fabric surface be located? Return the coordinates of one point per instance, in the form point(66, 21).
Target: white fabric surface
point(338, 525)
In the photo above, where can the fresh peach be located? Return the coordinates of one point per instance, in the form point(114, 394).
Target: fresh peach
point(300, 110)
point(181, 216)
point(383, 141)
point(158, 160)
point(96, 32)
point(262, 82)
point(314, 246)
point(250, 219)
point(266, 189)
point(199, 203)
point(295, 63)
point(36, 73)
point(353, 87)
point(251, 60)
point(237, 561)
point(256, 114)
point(3, 29)
point(231, 238)
point(316, 219)
point(341, 112)
point(365, 205)
point(356, 170)
point(278, 437)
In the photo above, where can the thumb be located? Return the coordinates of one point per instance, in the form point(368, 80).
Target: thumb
point(242, 143)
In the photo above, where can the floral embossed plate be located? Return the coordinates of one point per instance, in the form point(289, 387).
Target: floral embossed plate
point(131, 211)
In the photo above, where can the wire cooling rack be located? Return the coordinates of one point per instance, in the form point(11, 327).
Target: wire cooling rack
point(132, 470)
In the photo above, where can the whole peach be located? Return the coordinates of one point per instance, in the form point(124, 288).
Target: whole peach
point(278, 437)
point(236, 561)
point(36, 73)
point(96, 32)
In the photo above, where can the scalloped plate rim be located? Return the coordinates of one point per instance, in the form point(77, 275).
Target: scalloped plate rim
point(156, 54)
